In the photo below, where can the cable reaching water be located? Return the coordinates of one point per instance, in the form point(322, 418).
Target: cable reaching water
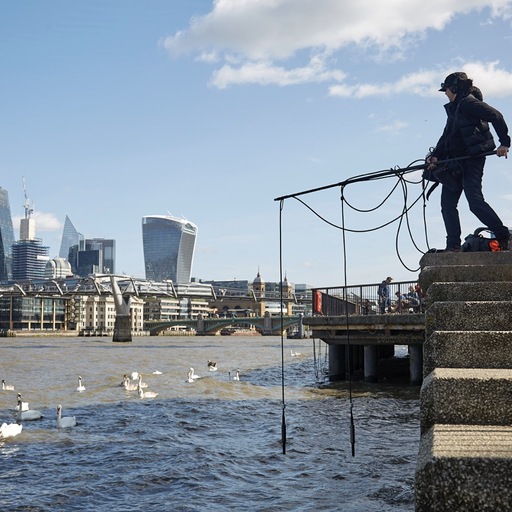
point(283, 405)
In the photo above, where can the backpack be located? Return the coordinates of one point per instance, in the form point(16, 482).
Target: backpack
point(478, 243)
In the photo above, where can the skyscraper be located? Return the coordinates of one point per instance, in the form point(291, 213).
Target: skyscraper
point(6, 236)
point(70, 237)
point(168, 244)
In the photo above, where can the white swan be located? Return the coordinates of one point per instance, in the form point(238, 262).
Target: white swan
point(236, 376)
point(129, 386)
point(295, 354)
point(7, 387)
point(140, 383)
point(157, 372)
point(30, 414)
point(66, 421)
point(134, 375)
point(212, 366)
point(80, 387)
point(10, 430)
point(146, 394)
point(24, 405)
point(191, 376)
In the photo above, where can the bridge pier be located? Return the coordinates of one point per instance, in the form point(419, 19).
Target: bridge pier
point(122, 328)
point(416, 364)
point(370, 363)
point(337, 362)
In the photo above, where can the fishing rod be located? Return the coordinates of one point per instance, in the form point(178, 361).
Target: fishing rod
point(382, 174)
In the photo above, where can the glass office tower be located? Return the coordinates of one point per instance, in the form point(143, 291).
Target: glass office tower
point(168, 244)
point(6, 236)
point(70, 238)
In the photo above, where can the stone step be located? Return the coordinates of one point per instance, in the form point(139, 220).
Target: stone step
point(452, 291)
point(440, 259)
point(468, 316)
point(465, 274)
point(471, 396)
point(464, 468)
point(467, 349)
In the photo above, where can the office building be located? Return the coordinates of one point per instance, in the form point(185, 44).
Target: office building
point(29, 259)
point(6, 236)
point(168, 244)
point(70, 238)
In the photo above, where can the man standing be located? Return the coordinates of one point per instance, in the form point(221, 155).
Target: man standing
point(384, 295)
point(467, 133)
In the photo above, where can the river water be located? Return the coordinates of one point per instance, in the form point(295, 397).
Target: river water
point(210, 445)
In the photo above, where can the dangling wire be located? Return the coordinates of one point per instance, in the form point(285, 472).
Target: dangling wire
point(283, 405)
point(349, 352)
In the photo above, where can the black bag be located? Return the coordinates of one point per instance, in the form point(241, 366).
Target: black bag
point(448, 174)
point(478, 243)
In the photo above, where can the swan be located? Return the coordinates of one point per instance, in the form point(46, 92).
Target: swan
point(191, 376)
point(157, 372)
point(146, 394)
point(30, 414)
point(80, 387)
point(295, 354)
point(212, 366)
point(66, 421)
point(141, 384)
point(128, 385)
point(24, 405)
point(7, 387)
point(134, 375)
point(236, 376)
point(10, 430)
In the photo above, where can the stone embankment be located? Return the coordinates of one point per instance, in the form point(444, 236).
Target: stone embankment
point(465, 455)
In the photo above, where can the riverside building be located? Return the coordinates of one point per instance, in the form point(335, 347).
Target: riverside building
point(6, 236)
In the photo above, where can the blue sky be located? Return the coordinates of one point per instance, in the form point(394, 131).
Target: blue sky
point(112, 110)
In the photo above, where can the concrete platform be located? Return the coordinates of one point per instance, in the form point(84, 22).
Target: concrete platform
point(469, 316)
point(466, 397)
point(465, 468)
point(453, 291)
point(467, 349)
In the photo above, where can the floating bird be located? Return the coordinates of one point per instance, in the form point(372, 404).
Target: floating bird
point(236, 376)
point(128, 385)
point(295, 354)
point(156, 372)
point(191, 376)
point(141, 384)
point(146, 394)
point(66, 421)
point(24, 405)
point(7, 387)
point(10, 430)
point(212, 366)
point(27, 415)
point(80, 387)
point(134, 375)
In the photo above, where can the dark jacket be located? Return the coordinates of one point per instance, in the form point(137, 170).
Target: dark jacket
point(467, 129)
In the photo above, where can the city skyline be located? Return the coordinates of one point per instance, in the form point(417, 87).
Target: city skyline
point(212, 110)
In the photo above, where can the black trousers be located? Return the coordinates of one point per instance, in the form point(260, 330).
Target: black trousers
point(469, 181)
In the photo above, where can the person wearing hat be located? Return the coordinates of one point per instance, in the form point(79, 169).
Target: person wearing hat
point(467, 134)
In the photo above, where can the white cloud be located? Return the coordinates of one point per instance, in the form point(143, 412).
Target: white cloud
point(44, 222)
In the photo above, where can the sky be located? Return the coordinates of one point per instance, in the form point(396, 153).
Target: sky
point(113, 110)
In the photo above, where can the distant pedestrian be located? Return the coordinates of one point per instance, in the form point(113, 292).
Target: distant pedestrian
point(384, 295)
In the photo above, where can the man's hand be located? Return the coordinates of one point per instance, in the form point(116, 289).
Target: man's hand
point(502, 151)
point(431, 160)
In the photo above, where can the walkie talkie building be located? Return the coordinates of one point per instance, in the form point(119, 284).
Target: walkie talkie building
point(168, 244)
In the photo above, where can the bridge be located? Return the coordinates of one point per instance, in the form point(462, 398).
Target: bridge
point(266, 325)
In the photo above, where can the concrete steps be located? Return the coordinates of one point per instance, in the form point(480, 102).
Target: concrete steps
point(465, 459)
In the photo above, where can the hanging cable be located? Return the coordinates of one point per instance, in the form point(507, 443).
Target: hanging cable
point(283, 405)
point(349, 351)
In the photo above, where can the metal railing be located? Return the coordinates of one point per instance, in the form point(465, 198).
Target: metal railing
point(364, 299)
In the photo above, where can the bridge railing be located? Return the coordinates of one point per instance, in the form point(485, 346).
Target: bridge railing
point(363, 299)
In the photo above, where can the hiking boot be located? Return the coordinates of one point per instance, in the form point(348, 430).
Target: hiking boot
point(504, 244)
